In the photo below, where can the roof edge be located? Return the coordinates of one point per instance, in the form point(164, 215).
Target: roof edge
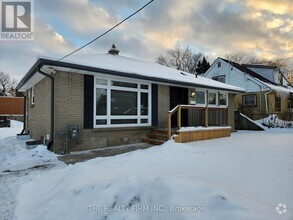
point(42, 61)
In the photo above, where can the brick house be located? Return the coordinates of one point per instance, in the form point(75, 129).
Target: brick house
point(109, 100)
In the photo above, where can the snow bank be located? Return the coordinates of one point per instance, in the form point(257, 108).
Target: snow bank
point(15, 156)
point(242, 177)
point(16, 128)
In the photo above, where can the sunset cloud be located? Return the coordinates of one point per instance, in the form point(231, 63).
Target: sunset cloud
point(258, 27)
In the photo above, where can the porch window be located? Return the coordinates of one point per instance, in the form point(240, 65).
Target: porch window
point(200, 97)
point(223, 99)
point(277, 103)
point(120, 104)
point(212, 98)
point(249, 100)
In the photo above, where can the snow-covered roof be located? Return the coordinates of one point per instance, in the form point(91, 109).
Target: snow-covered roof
point(280, 89)
point(135, 68)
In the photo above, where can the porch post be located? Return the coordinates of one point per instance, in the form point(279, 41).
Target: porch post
point(179, 117)
point(206, 117)
point(228, 116)
point(169, 125)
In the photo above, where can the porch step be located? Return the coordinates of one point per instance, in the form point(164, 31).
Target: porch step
point(157, 137)
point(153, 141)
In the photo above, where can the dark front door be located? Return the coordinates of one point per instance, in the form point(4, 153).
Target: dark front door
point(179, 96)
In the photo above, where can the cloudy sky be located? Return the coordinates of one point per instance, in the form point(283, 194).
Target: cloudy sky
point(213, 27)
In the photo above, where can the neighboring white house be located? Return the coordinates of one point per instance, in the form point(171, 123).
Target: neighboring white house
point(267, 89)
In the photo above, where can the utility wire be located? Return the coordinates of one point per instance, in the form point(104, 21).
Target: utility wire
point(106, 31)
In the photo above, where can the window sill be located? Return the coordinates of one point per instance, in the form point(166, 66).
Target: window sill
point(122, 128)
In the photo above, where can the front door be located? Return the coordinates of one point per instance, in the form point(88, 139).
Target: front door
point(179, 96)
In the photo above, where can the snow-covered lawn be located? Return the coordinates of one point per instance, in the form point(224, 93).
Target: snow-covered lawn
point(242, 177)
point(19, 166)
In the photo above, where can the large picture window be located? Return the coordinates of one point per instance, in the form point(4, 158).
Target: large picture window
point(119, 103)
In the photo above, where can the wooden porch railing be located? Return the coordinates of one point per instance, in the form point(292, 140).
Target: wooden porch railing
point(178, 109)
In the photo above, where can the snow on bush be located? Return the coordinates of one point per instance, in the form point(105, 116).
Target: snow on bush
point(272, 121)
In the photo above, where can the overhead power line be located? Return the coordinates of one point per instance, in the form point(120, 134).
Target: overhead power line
point(107, 31)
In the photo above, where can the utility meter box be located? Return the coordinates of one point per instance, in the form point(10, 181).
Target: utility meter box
point(74, 132)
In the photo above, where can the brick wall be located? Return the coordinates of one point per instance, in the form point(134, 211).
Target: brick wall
point(164, 105)
point(69, 108)
point(38, 121)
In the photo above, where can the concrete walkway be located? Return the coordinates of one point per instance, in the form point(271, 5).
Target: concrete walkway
point(80, 156)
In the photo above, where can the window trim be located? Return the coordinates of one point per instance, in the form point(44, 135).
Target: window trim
point(206, 92)
point(205, 97)
point(227, 100)
point(108, 117)
point(255, 100)
point(32, 96)
point(217, 97)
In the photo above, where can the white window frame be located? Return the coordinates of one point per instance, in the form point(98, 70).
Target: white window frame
point(205, 97)
point(227, 101)
point(108, 117)
point(217, 97)
point(32, 96)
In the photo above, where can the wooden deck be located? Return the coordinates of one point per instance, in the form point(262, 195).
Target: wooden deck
point(198, 134)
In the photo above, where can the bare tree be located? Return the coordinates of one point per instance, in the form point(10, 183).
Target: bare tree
point(6, 83)
point(184, 59)
point(245, 58)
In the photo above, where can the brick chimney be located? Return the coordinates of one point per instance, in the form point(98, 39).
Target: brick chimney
point(114, 50)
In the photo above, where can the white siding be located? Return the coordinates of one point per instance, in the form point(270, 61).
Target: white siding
point(233, 76)
point(266, 73)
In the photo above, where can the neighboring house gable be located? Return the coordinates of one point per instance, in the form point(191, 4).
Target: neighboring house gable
point(271, 73)
point(267, 90)
point(234, 75)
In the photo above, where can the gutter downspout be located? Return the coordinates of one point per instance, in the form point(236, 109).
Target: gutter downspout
point(266, 100)
point(24, 115)
point(50, 144)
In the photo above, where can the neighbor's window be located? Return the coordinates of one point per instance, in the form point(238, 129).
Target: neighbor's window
point(219, 64)
point(249, 100)
point(212, 98)
point(277, 103)
point(200, 97)
point(219, 78)
point(223, 99)
point(120, 103)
